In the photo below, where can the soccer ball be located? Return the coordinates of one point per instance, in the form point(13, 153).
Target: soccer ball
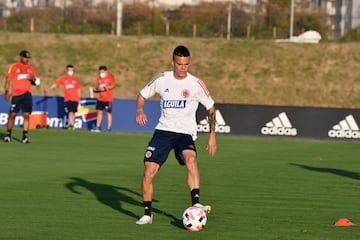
point(194, 219)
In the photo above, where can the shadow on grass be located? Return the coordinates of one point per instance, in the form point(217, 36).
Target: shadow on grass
point(114, 196)
point(339, 172)
point(3, 135)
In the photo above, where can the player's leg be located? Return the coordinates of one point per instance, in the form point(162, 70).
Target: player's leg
point(14, 109)
point(99, 109)
point(26, 117)
point(156, 154)
point(109, 117)
point(193, 175)
point(10, 126)
point(96, 128)
point(186, 151)
point(193, 179)
point(26, 105)
point(99, 116)
point(11, 120)
point(71, 120)
point(71, 109)
point(147, 189)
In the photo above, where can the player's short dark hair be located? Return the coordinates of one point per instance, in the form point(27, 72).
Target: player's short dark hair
point(103, 68)
point(181, 51)
point(70, 66)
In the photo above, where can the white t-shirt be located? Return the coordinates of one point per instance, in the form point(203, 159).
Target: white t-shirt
point(179, 100)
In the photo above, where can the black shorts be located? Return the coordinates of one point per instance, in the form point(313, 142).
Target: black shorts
point(22, 102)
point(162, 142)
point(107, 106)
point(71, 106)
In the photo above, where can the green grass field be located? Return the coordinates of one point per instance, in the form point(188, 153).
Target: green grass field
point(83, 185)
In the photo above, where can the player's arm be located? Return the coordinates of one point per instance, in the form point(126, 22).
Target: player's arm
point(7, 92)
point(49, 88)
point(107, 88)
point(33, 76)
point(34, 79)
point(97, 89)
point(110, 87)
point(211, 145)
point(141, 117)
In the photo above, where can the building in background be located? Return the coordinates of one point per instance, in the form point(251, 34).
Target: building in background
point(344, 15)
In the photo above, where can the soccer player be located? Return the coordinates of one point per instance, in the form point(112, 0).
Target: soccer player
point(20, 77)
point(105, 87)
point(180, 94)
point(72, 86)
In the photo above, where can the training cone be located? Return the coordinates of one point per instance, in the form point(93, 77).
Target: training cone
point(343, 222)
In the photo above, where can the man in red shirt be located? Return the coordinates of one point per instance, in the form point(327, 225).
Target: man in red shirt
point(20, 77)
point(72, 86)
point(105, 87)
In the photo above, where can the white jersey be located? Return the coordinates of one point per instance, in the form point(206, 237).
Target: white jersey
point(179, 100)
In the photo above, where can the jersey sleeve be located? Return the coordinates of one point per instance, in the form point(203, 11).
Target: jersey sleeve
point(151, 88)
point(59, 81)
point(204, 95)
point(97, 84)
point(78, 83)
point(34, 72)
point(10, 73)
point(113, 80)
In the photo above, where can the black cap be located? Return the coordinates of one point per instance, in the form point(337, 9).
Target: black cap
point(25, 54)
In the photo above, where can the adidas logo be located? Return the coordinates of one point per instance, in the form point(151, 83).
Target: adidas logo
point(220, 125)
point(347, 128)
point(279, 125)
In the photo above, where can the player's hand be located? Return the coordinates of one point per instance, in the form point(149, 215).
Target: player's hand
point(211, 145)
point(141, 118)
point(7, 96)
point(31, 77)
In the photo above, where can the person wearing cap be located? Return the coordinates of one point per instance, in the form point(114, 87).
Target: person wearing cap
point(19, 78)
point(71, 85)
point(105, 87)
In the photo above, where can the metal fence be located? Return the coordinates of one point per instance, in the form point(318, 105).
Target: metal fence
point(223, 20)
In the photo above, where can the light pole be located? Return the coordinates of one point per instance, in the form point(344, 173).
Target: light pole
point(291, 19)
point(229, 21)
point(119, 10)
point(153, 17)
point(64, 16)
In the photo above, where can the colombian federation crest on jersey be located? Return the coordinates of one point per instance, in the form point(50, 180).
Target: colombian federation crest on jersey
point(148, 154)
point(185, 93)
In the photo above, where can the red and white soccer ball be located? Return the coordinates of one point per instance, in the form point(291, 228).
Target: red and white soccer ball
point(194, 219)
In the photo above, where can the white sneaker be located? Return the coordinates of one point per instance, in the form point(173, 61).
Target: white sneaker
point(7, 139)
point(25, 140)
point(206, 208)
point(146, 219)
point(95, 129)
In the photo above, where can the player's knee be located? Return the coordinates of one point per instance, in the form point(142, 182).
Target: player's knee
point(26, 116)
point(190, 159)
point(150, 171)
point(191, 165)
